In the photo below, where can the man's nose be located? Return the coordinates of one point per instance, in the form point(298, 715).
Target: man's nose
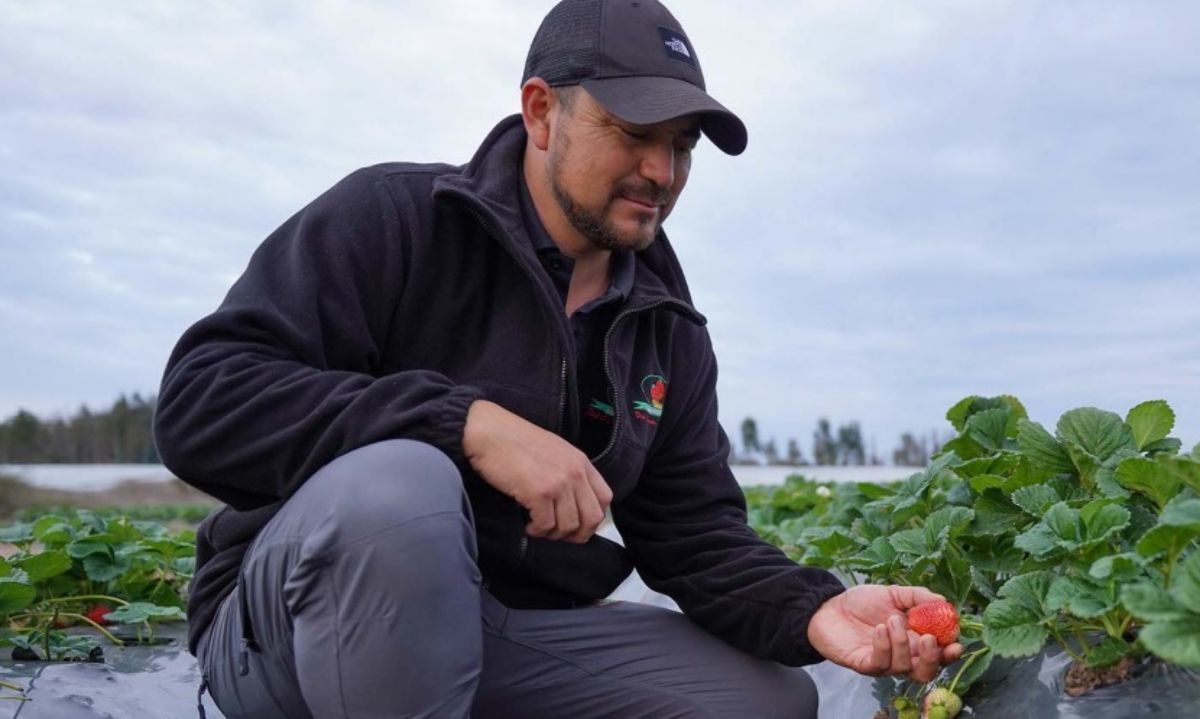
point(658, 164)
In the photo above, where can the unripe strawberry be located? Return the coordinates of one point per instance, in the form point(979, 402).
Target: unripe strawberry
point(941, 703)
point(910, 713)
point(937, 618)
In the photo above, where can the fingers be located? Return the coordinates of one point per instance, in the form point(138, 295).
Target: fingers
point(590, 516)
point(881, 651)
point(926, 663)
point(952, 653)
point(901, 662)
point(541, 518)
point(908, 597)
point(566, 514)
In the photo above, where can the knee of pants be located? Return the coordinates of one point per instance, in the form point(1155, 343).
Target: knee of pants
point(794, 695)
point(383, 484)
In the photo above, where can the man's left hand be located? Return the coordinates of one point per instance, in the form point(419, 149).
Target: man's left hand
point(865, 629)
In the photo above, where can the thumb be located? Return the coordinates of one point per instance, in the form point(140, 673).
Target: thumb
point(908, 597)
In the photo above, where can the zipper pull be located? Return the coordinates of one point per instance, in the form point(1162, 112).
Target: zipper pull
point(244, 659)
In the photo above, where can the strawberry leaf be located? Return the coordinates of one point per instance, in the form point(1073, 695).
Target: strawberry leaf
point(1150, 422)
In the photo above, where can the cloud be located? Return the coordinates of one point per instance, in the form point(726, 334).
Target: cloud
point(938, 199)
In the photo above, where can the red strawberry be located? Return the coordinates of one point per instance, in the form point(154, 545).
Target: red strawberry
point(937, 618)
point(97, 612)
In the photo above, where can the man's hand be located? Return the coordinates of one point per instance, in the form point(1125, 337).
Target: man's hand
point(864, 629)
point(565, 495)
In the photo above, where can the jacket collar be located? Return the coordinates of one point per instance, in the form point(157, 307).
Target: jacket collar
point(489, 184)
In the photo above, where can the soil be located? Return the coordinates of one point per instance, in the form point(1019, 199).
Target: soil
point(1082, 679)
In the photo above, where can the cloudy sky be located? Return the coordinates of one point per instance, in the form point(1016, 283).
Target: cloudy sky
point(939, 198)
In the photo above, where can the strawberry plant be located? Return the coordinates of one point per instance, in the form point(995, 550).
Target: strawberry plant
point(90, 571)
point(1084, 536)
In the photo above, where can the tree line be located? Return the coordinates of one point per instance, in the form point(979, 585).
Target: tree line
point(845, 447)
point(122, 434)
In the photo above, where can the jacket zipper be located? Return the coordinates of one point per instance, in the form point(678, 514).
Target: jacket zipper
point(683, 308)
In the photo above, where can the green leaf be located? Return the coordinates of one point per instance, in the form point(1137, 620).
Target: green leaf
point(1035, 499)
point(1182, 514)
point(1030, 591)
point(1168, 446)
point(1065, 523)
point(1101, 520)
point(1151, 478)
point(14, 595)
point(1185, 584)
point(914, 543)
point(1038, 540)
point(951, 520)
point(1012, 629)
point(1041, 448)
point(995, 514)
point(987, 481)
point(1165, 539)
point(81, 548)
point(1087, 466)
point(959, 412)
point(1106, 480)
point(1121, 568)
point(987, 428)
point(879, 555)
point(1176, 641)
point(1150, 602)
point(20, 533)
point(965, 447)
point(1185, 469)
point(45, 565)
point(973, 672)
point(1108, 652)
point(1150, 422)
point(104, 568)
point(137, 612)
point(1097, 432)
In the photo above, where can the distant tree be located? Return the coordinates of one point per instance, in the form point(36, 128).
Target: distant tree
point(850, 448)
point(824, 446)
point(123, 434)
point(771, 451)
point(794, 456)
point(750, 436)
point(910, 453)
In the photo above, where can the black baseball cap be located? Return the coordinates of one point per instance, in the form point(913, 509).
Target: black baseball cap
point(635, 59)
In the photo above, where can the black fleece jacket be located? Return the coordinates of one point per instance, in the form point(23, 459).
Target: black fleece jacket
point(402, 295)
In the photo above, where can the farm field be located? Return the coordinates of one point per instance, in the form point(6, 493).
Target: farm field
point(1068, 553)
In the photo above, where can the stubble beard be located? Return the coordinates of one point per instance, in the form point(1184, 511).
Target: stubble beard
point(594, 225)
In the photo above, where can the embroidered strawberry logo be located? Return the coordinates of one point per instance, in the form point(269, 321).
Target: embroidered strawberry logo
point(658, 393)
point(937, 618)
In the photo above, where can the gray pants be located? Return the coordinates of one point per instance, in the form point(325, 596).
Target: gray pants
point(365, 601)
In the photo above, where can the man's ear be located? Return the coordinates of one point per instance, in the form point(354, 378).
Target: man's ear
point(537, 99)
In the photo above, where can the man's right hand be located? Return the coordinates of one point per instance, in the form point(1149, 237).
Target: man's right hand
point(565, 495)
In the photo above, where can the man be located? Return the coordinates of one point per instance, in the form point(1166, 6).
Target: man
point(429, 386)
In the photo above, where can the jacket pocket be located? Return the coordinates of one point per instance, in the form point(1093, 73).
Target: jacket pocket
point(584, 571)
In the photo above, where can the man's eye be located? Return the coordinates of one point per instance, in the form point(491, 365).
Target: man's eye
point(635, 134)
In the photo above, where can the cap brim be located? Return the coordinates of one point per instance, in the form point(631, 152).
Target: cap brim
point(647, 100)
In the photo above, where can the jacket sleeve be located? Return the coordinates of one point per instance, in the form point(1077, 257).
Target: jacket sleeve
point(685, 524)
point(285, 375)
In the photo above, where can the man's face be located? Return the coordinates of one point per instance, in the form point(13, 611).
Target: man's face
point(616, 182)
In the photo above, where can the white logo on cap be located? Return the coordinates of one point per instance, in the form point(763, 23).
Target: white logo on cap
point(677, 45)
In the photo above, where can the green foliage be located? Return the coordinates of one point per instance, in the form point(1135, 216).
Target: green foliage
point(1087, 536)
point(67, 564)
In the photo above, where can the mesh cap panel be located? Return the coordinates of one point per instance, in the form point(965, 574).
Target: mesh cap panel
point(567, 45)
